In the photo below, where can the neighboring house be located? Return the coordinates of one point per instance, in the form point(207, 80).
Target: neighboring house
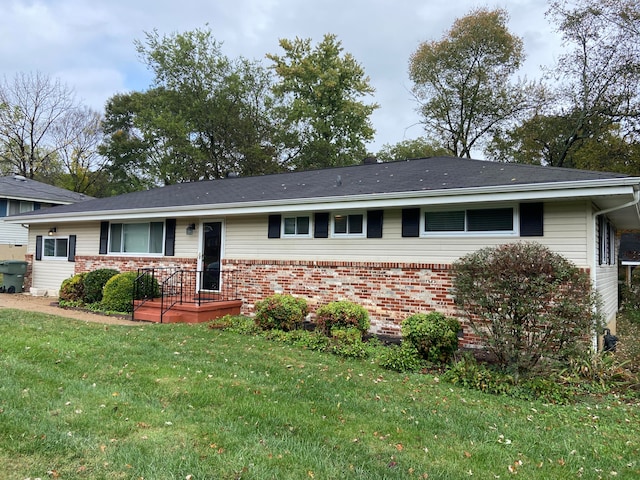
point(629, 253)
point(381, 234)
point(19, 195)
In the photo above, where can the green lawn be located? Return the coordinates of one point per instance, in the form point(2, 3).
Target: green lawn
point(85, 401)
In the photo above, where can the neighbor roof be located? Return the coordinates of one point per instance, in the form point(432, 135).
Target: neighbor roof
point(419, 177)
point(18, 187)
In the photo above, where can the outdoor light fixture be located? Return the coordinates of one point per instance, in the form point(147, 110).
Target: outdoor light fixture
point(52, 230)
point(191, 228)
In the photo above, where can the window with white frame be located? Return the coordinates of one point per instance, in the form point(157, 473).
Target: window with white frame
point(352, 224)
point(55, 248)
point(296, 226)
point(484, 220)
point(136, 237)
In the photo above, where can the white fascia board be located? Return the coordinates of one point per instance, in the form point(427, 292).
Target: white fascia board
point(509, 193)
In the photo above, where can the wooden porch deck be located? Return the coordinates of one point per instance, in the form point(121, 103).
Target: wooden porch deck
point(150, 311)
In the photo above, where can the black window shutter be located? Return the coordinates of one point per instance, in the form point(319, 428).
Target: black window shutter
point(274, 226)
point(104, 237)
point(71, 254)
point(39, 247)
point(321, 225)
point(170, 237)
point(4, 204)
point(374, 223)
point(36, 206)
point(410, 222)
point(532, 219)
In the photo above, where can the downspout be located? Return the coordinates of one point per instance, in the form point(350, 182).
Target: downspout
point(635, 202)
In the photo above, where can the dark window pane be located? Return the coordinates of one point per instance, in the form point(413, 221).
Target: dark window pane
point(290, 226)
point(303, 226)
point(444, 221)
point(340, 224)
point(490, 220)
point(355, 224)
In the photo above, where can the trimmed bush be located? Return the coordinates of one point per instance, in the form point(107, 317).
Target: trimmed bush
point(433, 335)
point(282, 312)
point(94, 282)
point(118, 293)
point(72, 288)
point(526, 302)
point(342, 314)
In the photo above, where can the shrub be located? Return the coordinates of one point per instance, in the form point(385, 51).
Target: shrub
point(526, 302)
point(433, 335)
point(118, 292)
point(283, 312)
point(72, 288)
point(314, 341)
point(401, 358)
point(94, 282)
point(347, 342)
point(342, 314)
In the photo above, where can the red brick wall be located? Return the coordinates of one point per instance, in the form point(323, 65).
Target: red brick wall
point(389, 291)
point(125, 264)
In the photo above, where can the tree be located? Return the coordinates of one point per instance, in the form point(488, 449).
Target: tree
point(38, 121)
point(594, 87)
point(79, 137)
point(324, 121)
point(415, 148)
point(206, 116)
point(526, 302)
point(463, 82)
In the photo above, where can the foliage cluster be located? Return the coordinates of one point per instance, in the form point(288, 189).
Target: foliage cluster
point(526, 302)
point(433, 335)
point(283, 312)
point(72, 288)
point(94, 282)
point(105, 290)
point(342, 314)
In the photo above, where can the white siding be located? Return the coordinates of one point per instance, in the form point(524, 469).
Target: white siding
point(607, 287)
point(13, 234)
point(47, 275)
point(565, 231)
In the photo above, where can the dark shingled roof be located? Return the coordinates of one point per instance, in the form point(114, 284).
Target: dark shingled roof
point(16, 186)
point(436, 173)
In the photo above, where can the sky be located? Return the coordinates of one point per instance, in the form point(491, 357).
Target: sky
point(89, 44)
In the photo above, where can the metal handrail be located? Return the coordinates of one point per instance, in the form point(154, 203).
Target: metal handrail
point(183, 286)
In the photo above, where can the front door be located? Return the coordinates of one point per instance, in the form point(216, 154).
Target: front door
point(211, 255)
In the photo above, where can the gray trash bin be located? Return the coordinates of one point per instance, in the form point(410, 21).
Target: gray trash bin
point(12, 275)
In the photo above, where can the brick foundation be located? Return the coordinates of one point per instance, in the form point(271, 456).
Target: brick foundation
point(126, 264)
point(389, 291)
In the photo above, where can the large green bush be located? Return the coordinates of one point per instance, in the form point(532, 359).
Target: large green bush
point(342, 314)
point(118, 291)
point(526, 302)
point(94, 282)
point(434, 336)
point(72, 288)
point(282, 312)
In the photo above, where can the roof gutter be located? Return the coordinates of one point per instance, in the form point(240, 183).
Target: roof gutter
point(635, 201)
